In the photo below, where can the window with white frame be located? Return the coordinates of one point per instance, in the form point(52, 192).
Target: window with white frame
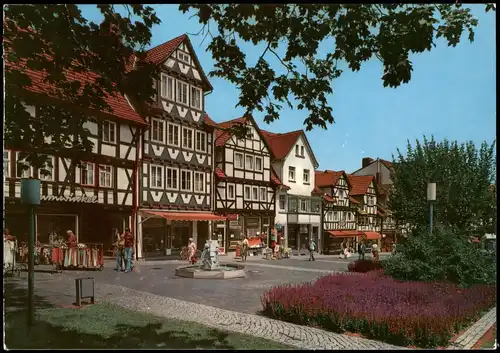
point(199, 182)
point(6, 164)
point(303, 205)
point(182, 92)
point(291, 173)
point(23, 170)
point(183, 57)
point(156, 180)
point(336, 216)
point(187, 138)
point(173, 134)
point(48, 175)
point(302, 151)
point(196, 97)
point(172, 175)
point(108, 132)
point(305, 176)
point(255, 193)
point(329, 216)
point(230, 191)
point(263, 194)
point(258, 164)
point(296, 150)
point(201, 141)
point(247, 193)
point(238, 160)
point(157, 130)
point(282, 201)
point(105, 176)
point(87, 173)
point(186, 180)
point(248, 162)
point(167, 87)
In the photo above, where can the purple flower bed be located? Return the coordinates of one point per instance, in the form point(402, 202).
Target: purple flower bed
point(376, 306)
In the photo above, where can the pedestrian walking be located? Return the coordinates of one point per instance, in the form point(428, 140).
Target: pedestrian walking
point(119, 246)
point(244, 249)
point(191, 251)
point(312, 248)
point(128, 249)
point(375, 252)
point(361, 250)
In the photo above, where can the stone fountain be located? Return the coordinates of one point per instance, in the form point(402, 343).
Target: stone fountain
point(208, 266)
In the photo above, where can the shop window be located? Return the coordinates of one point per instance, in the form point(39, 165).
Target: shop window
point(6, 164)
point(87, 172)
point(105, 176)
point(108, 132)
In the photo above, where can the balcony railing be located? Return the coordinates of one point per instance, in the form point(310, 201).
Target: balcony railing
point(303, 204)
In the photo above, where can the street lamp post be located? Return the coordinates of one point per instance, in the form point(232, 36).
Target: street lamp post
point(431, 198)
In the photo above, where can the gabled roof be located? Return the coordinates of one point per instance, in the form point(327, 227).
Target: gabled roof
point(120, 106)
point(282, 143)
point(222, 136)
point(328, 178)
point(360, 184)
point(384, 162)
point(162, 52)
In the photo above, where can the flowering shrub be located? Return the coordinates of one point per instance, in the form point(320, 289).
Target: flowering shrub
point(424, 314)
point(364, 266)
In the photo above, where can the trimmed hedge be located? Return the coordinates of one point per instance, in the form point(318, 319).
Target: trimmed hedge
point(402, 313)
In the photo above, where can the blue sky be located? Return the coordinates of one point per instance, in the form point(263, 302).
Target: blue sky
point(452, 95)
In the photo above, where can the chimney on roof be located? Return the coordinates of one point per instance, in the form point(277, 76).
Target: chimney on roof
point(366, 161)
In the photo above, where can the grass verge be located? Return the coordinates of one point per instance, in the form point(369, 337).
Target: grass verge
point(104, 325)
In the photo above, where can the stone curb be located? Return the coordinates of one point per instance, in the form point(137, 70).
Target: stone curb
point(303, 337)
point(474, 333)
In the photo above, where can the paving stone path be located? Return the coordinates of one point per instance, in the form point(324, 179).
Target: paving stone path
point(302, 337)
point(469, 338)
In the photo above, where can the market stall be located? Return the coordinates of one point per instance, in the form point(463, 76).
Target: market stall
point(84, 256)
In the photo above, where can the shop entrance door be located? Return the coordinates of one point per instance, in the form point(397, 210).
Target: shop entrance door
point(54, 227)
point(220, 236)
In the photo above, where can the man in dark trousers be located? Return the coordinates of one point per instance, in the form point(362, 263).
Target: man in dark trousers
point(361, 250)
point(312, 249)
point(128, 250)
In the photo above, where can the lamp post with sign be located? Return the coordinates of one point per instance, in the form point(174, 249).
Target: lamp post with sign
point(431, 198)
point(30, 195)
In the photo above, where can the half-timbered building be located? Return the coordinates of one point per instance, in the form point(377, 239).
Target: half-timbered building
point(90, 194)
point(364, 190)
point(175, 195)
point(339, 219)
point(298, 204)
point(245, 183)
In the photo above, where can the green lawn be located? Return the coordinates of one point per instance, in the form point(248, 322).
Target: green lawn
point(108, 326)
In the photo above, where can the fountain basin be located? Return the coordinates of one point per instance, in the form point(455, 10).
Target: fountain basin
point(225, 271)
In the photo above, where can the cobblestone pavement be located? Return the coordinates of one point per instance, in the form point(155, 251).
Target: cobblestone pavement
point(476, 331)
point(239, 294)
point(298, 336)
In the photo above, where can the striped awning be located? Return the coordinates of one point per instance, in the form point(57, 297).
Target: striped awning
point(186, 216)
point(372, 235)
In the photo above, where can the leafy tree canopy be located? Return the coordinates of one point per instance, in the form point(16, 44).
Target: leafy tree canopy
point(355, 34)
point(465, 178)
point(60, 39)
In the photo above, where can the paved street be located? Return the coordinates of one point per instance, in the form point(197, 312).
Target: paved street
point(59, 288)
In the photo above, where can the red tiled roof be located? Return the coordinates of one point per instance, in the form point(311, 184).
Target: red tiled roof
point(276, 180)
point(221, 136)
point(118, 103)
point(359, 184)
point(220, 173)
point(281, 144)
point(317, 191)
point(328, 198)
point(353, 200)
point(327, 178)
